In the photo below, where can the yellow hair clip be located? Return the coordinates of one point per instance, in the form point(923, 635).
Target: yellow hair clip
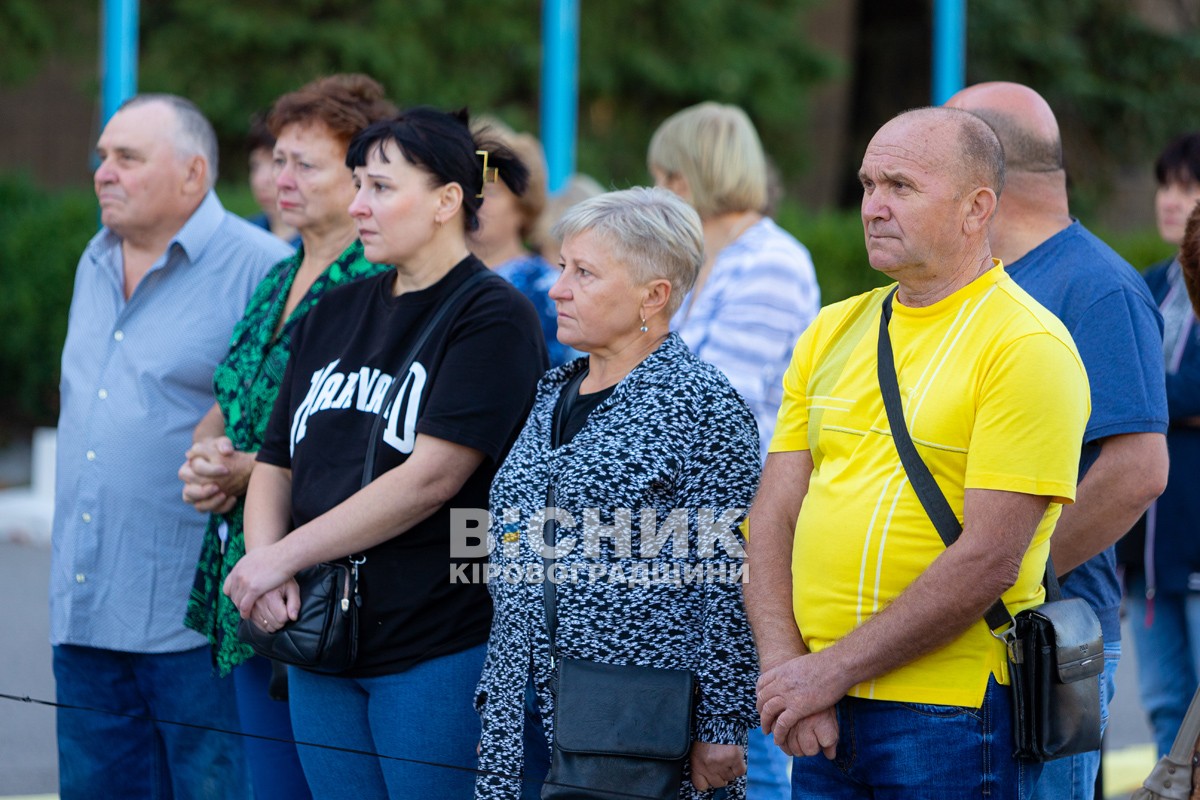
point(495, 171)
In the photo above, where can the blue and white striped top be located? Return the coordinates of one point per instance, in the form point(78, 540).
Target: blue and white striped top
point(136, 378)
point(760, 296)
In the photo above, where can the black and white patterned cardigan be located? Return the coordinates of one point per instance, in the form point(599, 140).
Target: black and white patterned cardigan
point(673, 435)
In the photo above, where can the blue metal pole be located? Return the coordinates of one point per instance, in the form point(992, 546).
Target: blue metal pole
point(949, 48)
point(560, 88)
point(119, 64)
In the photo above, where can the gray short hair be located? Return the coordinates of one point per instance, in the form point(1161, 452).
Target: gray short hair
point(650, 230)
point(194, 134)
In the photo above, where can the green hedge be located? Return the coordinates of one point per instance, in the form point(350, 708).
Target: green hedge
point(41, 237)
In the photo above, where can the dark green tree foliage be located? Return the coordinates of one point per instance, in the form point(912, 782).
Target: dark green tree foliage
point(640, 60)
point(26, 37)
point(1120, 87)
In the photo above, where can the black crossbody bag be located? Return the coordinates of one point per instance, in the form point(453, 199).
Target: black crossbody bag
point(324, 635)
point(620, 731)
point(1055, 651)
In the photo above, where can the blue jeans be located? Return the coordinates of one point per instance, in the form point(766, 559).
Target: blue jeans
point(766, 769)
point(128, 753)
point(537, 749)
point(1074, 777)
point(421, 723)
point(900, 751)
point(274, 766)
point(1168, 657)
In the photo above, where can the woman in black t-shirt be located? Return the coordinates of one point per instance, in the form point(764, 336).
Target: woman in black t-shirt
point(422, 629)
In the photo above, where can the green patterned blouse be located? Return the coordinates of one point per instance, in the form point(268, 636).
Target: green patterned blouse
point(246, 384)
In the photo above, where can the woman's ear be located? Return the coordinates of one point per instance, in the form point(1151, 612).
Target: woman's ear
point(658, 293)
point(450, 197)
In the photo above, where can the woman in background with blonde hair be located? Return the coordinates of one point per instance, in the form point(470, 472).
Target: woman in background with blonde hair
point(755, 294)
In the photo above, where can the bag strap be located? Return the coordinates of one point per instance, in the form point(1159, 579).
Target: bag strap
point(932, 499)
point(398, 379)
point(401, 375)
point(1171, 777)
point(562, 412)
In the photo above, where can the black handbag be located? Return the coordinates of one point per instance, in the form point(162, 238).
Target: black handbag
point(324, 635)
point(620, 731)
point(1055, 651)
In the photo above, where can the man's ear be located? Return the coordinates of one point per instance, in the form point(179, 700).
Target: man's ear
point(980, 205)
point(195, 179)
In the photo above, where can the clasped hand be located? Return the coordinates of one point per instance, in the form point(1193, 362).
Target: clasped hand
point(215, 474)
point(262, 591)
point(716, 765)
point(795, 702)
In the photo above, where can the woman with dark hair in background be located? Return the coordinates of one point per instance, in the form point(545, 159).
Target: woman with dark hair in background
point(422, 633)
point(313, 126)
point(1161, 555)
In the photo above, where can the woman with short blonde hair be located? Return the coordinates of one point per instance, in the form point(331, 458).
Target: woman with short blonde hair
point(637, 430)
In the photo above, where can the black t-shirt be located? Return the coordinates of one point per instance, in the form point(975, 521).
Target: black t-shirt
point(572, 413)
point(472, 384)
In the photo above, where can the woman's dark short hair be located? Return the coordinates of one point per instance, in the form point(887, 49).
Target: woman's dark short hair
point(344, 103)
point(1179, 161)
point(259, 136)
point(443, 145)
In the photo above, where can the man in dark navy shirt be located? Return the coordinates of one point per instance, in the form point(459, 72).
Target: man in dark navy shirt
point(1117, 328)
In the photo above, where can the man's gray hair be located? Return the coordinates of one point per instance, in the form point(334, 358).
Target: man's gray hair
point(650, 230)
point(194, 134)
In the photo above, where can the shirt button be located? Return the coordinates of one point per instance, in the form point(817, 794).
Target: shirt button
point(102, 394)
point(91, 455)
point(79, 577)
point(86, 517)
point(119, 335)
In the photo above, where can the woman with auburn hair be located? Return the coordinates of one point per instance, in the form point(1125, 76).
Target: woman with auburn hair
point(312, 127)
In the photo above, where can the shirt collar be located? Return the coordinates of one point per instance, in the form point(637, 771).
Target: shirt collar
point(196, 233)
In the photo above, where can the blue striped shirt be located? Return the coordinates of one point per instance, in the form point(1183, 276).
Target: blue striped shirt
point(136, 378)
point(759, 297)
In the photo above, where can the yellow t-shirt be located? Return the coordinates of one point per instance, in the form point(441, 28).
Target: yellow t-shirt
point(995, 396)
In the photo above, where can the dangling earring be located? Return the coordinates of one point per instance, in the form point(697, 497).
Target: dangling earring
point(644, 328)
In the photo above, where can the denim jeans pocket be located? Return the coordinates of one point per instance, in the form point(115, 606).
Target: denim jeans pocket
point(941, 712)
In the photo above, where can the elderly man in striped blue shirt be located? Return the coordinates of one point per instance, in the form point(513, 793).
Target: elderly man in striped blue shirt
point(157, 293)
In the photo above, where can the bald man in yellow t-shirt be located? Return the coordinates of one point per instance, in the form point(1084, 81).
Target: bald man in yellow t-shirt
point(870, 630)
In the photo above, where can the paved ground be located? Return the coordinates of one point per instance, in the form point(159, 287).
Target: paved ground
point(27, 750)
